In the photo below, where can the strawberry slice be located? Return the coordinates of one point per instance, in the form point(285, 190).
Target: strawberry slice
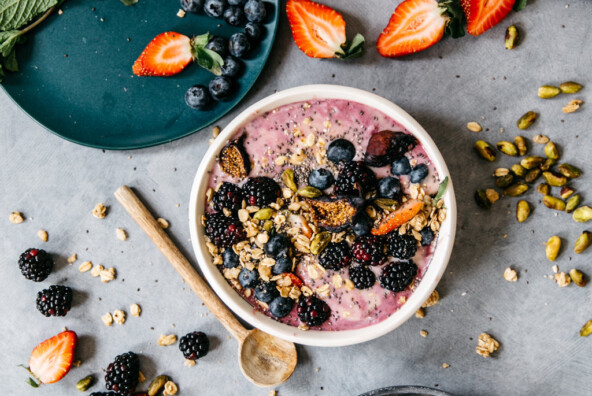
point(484, 14)
point(51, 360)
point(397, 218)
point(319, 31)
point(167, 54)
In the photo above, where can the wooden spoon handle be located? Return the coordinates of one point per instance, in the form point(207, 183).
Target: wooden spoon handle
point(146, 221)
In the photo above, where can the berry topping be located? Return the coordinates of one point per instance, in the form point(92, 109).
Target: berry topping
point(368, 250)
point(389, 187)
point(255, 11)
point(362, 224)
point(281, 306)
point(234, 15)
point(123, 373)
point(341, 150)
point(283, 264)
point(193, 6)
point(234, 160)
point(231, 67)
point(220, 87)
point(223, 231)
point(362, 277)
point(386, 146)
point(229, 196)
point(230, 258)
point(397, 276)
point(219, 45)
point(321, 178)
point(335, 256)
point(239, 45)
point(266, 291)
point(194, 345)
point(214, 8)
point(418, 173)
point(51, 360)
point(248, 278)
point(355, 178)
point(167, 54)
point(236, 2)
point(278, 245)
point(253, 30)
point(334, 214)
point(395, 219)
point(401, 167)
point(427, 236)
point(197, 97)
point(313, 311)
point(401, 246)
point(35, 264)
point(55, 301)
point(261, 191)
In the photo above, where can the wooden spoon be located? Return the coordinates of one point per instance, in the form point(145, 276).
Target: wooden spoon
point(264, 359)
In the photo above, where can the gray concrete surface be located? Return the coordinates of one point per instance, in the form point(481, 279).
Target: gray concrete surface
point(56, 184)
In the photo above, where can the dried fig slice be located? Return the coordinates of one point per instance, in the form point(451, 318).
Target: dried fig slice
point(385, 147)
point(234, 160)
point(334, 213)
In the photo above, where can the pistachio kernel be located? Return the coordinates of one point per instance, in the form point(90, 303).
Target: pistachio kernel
point(511, 38)
point(522, 211)
point(485, 150)
point(507, 148)
point(289, 180)
point(569, 171)
point(264, 214)
point(570, 87)
point(518, 170)
point(548, 91)
point(319, 242)
point(516, 190)
point(548, 164)
point(551, 151)
point(157, 384)
point(544, 188)
point(554, 180)
point(532, 175)
point(582, 214)
point(85, 383)
point(572, 203)
point(553, 247)
point(481, 199)
point(532, 162)
point(583, 242)
point(504, 181)
point(566, 192)
point(553, 203)
point(526, 120)
point(501, 172)
point(586, 330)
point(577, 277)
point(520, 143)
point(309, 192)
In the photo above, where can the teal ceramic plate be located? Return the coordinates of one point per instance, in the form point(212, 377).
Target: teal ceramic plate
point(76, 73)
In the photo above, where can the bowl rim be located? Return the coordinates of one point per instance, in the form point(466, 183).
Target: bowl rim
point(238, 304)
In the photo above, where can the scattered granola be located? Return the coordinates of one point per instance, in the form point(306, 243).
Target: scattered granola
point(215, 131)
point(42, 234)
point(119, 316)
point(85, 266)
point(99, 211)
point(445, 365)
point(562, 279)
point(96, 270)
point(486, 345)
point(16, 218)
point(121, 234)
point(107, 319)
point(510, 275)
point(474, 127)
point(423, 333)
point(189, 363)
point(163, 223)
point(135, 310)
point(170, 388)
point(166, 340)
point(107, 275)
point(420, 313)
point(181, 13)
point(572, 106)
point(432, 300)
point(541, 139)
point(72, 259)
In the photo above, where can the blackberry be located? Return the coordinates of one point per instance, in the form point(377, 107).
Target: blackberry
point(105, 394)
point(401, 246)
point(362, 277)
point(35, 264)
point(368, 250)
point(266, 291)
point(55, 301)
point(355, 178)
point(313, 311)
point(335, 256)
point(397, 276)
point(194, 345)
point(261, 191)
point(122, 374)
point(229, 196)
point(224, 231)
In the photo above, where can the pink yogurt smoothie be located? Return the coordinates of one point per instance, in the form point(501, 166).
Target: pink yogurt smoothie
point(284, 132)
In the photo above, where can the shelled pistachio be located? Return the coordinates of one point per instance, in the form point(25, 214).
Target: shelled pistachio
point(532, 175)
point(481, 199)
point(583, 242)
point(289, 180)
point(532, 162)
point(570, 87)
point(548, 91)
point(570, 171)
point(566, 192)
point(572, 203)
point(319, 242)
point(553, 247)
point(551, 151)
point(485, 150)
point(554, 180)
point(548, 164)
point(577, 277)
point(526, 120)
point(544, 188)
point(504, 181)
point(520, 143)
point(518, 170)
point(522, 211)
point(511, 38)
point(553, 203)
point(516, 190)
point(507, 148)
point(582, 214)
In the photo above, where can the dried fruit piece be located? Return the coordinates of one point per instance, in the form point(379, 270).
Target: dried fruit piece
point(532, 175)
point(504, 181)
point(532, 162)
point(518, 170)
point(572, 203)
point(583, 242)
point(544, 188)
point(553, 203)
point(511, 37)
point(570, 171)
point(334, 214)
point(309, 192)
point(289, 179)
point(526, 120)
point(520, 143)
point(507, 148)
point(582, 214)
point(384, 147)
point(553, 247)
point(586, 329)
point(485, 150)
point(548, 91)
point(570, 87)
point(522, 211)
point(577, 277)
point(551, 151)
point(516, 190)
point(319, 242)
point(482, 200)
point(234, 159)
point(554, 180)
point(157, 384)
point(397, 218)
point(566, 192)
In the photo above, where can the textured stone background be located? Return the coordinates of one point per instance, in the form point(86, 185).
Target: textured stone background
point(56, 184)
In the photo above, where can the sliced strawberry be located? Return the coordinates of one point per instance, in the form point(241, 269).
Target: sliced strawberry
point(319, 31)
point(414, 26)
point(397, 218)
point(484, 14)
point(167, 54)
point(51, 360)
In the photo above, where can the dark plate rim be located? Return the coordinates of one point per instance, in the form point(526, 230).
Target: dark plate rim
point(405, 390)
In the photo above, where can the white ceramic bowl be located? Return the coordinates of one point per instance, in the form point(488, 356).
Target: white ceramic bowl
point(257, 319)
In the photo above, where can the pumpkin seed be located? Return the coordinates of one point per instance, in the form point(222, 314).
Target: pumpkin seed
point(485, 150)
point(526, 120)
point(320, 242)
point(520, 143)
point(289, 180)
point(553, 203)
point(572, 203)
point(582, 214)
point(548, 91)
point(583, 242)
point(553, 247)
point(570, 87)
point(522, 211)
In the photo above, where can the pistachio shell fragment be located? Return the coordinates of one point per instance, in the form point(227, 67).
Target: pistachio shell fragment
point(532, 175)
point(504, 181)
point(389, 205)
point(507, 148)
point(572, 203)
point(157, 384)
point(264, 214)
point(319, 242)
point(526, 120)
point(570, 171)
point(553, 203)
point(554, 180)
point(548, 91)
point(522, 211)
point(544, 188)
point(583, 242)
point(577, 277)
point(582, 214)
point(548, 164)
point(485, 150)
point(85, 383)
point(586, 330)
point(570, 87)
point(511, 37)
point(520, 143)
point(516, 190)
point(518, 170)
point(501, 172)
point(551, 151)
point(532, 162)
point(553, 247)
point(289, 180)
point(566, 192)
point(309, 192)
point(481, 199)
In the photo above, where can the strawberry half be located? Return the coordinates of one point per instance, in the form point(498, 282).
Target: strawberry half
point(51, 360)
point(418, 24)
point(319, 31)
point(485, 14)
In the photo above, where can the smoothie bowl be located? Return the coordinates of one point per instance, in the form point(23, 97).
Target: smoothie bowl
point(323, 215)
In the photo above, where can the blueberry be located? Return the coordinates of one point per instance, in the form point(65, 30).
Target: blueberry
point(389, 187)
point(248, 279)
point(234, 15)
point(362, 224)
point(277, 244)
point(255, 10)
point(218, 45)
point(401, 167)
point(418, 173)
point(231, 67)
point(427, 236)
point(197, 97)
point(253, 30)
point(194, 6)
point(321, 178)
point(230, 259)
point(266, 291)
point(283, 264)
point(341, 150)
point(220, 87)
point(239, 44)
point(214, 8)
point(236, 2)
point(281, 306)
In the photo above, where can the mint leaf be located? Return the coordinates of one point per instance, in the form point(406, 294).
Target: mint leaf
point(10, 62)
point(441, 189)
point(17, 13)
point(519, 5)
point(129, 2)
point(7, 42)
